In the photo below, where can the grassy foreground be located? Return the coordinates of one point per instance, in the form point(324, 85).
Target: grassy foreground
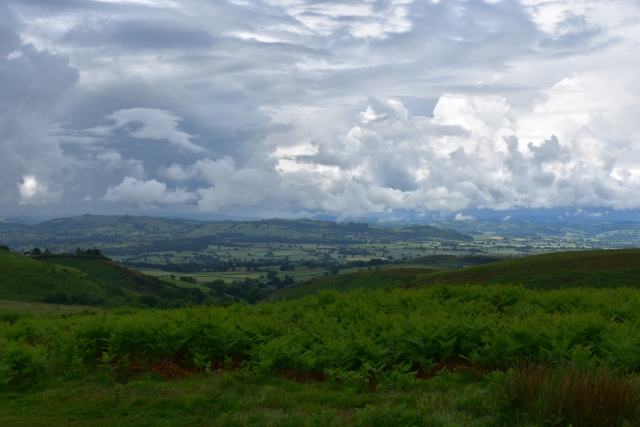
point(458, 398)
point(236, 399)
point(437, 356)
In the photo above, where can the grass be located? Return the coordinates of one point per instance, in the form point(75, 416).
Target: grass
point(110, 272)
point(233, 399)
point(455, 261)
point(384, 278)
point(594, 269)
point(30, 309)
point(25, 279)
point(451, 398)
point(609, 268)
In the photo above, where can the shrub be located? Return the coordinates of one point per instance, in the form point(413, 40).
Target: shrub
point(20, 364)
point(382, 336)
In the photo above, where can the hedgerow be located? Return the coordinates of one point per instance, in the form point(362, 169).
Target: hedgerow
point(362, 335)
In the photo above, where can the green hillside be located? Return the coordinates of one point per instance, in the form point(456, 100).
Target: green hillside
point(25, 279)
point(609, 268)
point(110, 272)
point(454, 261)
point(145, 290)
point(384, 278)
point(11, 311)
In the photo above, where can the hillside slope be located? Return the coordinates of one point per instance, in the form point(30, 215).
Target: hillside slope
point(144, 290)
point(608, 268)
point(110, 272)
point(384, 278)
point(455, 261)
point(25, 279)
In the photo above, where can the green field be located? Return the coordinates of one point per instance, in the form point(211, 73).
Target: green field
point(25, 279)
point(300, 273)
point(161, 241)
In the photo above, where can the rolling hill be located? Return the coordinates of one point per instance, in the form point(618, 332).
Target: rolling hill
point(598, 269)
point(384, 278)
point(110, 272)
point(78, 280)
point(455, 261)
point(110, 232)
point(25, 279)
point(608, 268)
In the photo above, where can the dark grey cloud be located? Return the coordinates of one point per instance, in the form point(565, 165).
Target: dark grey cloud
point(138, 34)
point(33, 87)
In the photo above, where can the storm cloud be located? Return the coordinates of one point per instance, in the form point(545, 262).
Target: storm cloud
point(263, 108)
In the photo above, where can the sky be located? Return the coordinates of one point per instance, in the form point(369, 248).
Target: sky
point(389, 109)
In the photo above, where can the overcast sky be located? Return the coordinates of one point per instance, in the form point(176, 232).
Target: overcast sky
point(300, 107)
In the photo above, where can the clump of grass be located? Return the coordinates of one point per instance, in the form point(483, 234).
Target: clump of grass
point(569, 395)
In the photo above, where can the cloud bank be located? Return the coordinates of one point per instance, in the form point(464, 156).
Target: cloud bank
point(293, 108)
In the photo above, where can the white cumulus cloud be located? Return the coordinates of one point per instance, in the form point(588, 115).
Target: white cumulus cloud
point(146, 193)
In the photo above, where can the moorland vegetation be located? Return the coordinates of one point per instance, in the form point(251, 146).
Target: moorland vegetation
point(361, 341)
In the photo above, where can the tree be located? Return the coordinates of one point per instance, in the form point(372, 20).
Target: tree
point(4, 248)
point(276, 282)
point(287, 266)
point(254, 295)
point(218, 286)
point(148, 300)
point(36, 251)
point(59, 298)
